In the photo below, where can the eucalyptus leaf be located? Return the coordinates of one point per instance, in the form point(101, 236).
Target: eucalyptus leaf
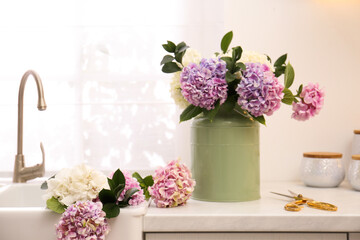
point(288, 97)
point(54, 205)
point(190, 112)
point(170, 67)
point(225, 41)
point(111, 209)
point(166, 59)
point(289, 76)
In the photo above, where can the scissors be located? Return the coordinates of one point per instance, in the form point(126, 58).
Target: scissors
point(300, 200)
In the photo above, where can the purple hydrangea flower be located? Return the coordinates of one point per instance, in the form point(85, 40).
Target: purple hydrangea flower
point(312, 100)
point(259, 90)
point(173, 185)
point(82, 221)
point(202, 85)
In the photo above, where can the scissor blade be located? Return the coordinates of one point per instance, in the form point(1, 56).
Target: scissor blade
point(284, 195)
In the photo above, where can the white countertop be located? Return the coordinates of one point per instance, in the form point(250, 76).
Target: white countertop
point(264, 215)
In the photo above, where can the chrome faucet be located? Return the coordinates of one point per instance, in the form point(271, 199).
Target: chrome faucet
point(22, 173)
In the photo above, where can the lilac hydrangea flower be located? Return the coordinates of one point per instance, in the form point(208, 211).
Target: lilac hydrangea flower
point(204, 84)
point(82, 221)
point(173, 185)
point(131, 182)
point(312, 100)
point(259, 90)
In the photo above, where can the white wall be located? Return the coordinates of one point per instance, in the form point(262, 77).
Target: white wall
point(322, 39)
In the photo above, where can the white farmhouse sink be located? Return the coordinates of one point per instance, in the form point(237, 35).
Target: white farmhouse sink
point(23, 216)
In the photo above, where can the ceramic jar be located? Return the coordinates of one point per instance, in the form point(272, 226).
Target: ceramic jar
point(356, 143)
point(354, 172)
point(322, 169)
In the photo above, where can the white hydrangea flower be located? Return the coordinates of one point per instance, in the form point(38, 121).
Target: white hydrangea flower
point(175, 90)
point(191, 56)
point(254, 57)
point(80, 183)
point(250, 57)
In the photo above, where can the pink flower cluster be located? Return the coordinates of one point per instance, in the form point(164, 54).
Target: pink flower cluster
point(173, 185)
point(131, 182)
point(312, 100)
point(83, 221)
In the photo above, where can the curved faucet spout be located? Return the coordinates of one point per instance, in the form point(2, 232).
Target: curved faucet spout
point(19, 159)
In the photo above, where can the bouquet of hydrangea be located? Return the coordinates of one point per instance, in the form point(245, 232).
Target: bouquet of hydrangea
point(243, 81)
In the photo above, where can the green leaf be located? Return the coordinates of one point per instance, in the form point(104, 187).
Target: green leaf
point(181, 47)
point(225, 41)
point(118, 190)
point(111, 209)
point(229, 63)
point(149, 181)
point(190, 112)
point(241, 65)
point(299, 91)
point(137, 176)
point(111, 183)
point(210, 114)
point(166, 59)
point(229, 77)
point(268, 58)
point(229, 104)
point(280, 61)
point(169, 47)
point(289, 76)
point(179, 56)
point(288, 97)
point(118, 178)
point(44, 185)
point(129, 193)
point(54, 205)
point(170, 67)
point(107, 196)
point(236, 54)
point(279, 70)
point(260, 119)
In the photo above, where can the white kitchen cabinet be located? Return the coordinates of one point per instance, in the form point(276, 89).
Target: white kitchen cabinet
point(247, 236)
point(354, 236)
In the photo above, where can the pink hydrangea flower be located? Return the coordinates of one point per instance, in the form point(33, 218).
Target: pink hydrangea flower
point(131, 182)
point(83, 221)
point(173, 185)
point(312, 100)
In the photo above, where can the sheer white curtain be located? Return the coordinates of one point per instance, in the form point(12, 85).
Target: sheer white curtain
point(108, 102)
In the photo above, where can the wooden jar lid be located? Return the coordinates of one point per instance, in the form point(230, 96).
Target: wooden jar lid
point(322, 155)
point(356, 157)
point(357, 131)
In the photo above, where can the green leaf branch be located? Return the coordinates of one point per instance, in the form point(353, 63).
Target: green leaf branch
point(145, 183)
point(172, 63)
point(109, 197)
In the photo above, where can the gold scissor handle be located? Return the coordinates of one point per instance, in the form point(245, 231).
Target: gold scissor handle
point(293, 207)
point(322, 205)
